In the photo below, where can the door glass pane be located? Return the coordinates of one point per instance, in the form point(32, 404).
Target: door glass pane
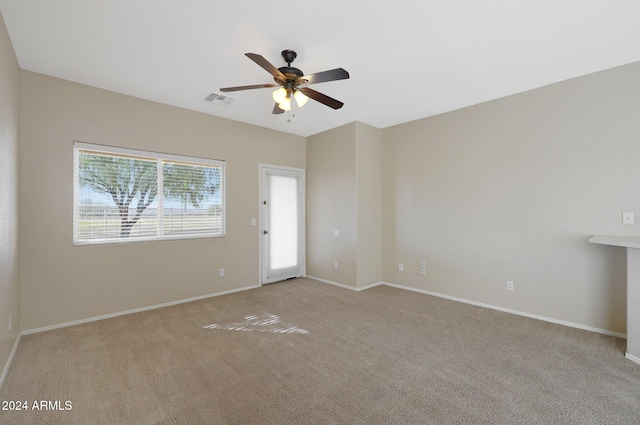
point(283, 217)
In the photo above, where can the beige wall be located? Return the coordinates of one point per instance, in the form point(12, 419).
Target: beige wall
point(368, 163)
point(332, 205)
point(9, 197)
point(62, 283)
point(344, 194)
point(511, 190)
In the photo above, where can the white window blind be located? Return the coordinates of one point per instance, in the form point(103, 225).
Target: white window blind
point(123, 195)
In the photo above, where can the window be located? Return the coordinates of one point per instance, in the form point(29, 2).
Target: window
point(122, 195)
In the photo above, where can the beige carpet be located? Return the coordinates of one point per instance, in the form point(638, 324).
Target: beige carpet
point(304, 352)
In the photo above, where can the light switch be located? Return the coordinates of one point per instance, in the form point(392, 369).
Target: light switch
point(628, 218)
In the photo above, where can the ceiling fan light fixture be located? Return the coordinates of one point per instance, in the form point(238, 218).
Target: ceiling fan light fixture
point(279, 95)
point(285, 105)
point(301, 98)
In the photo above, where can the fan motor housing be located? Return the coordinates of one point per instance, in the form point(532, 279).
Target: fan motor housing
point(290, 72)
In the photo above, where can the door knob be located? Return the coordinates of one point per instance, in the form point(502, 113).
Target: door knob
point(264, 232)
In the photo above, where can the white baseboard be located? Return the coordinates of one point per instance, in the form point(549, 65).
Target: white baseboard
point(342, 285)
point(508, 310)
point(478, 304)
point(373, 285)
point(632, 358)
point(136, 310)
point(9, 360)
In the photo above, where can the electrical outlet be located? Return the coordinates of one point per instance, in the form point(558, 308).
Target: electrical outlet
point(400, 267)
point(628, 218)
point(423, 267)
point(335, 265)
point(221, 272)
point(9, 322)
point(509, 285)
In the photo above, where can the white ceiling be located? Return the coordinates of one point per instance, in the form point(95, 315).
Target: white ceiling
point(408, 59)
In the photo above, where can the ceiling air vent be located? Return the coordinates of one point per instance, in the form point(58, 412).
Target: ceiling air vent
point(219, 99)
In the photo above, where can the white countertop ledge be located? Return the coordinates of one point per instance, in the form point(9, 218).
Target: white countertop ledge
point(624, 241)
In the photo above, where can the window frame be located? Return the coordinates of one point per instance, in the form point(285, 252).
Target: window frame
point(159, 157)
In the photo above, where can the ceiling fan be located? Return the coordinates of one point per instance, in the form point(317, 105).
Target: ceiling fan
point(293, 83)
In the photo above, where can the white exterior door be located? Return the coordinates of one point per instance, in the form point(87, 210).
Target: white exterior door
point(282, 223)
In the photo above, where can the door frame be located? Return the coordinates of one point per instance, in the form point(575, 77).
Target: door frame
point(262, 169)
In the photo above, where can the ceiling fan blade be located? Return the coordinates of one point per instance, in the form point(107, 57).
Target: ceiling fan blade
point(277, 110)
point(255, 86)
point(322, 98)
point(321, 77)
point(266, 65)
